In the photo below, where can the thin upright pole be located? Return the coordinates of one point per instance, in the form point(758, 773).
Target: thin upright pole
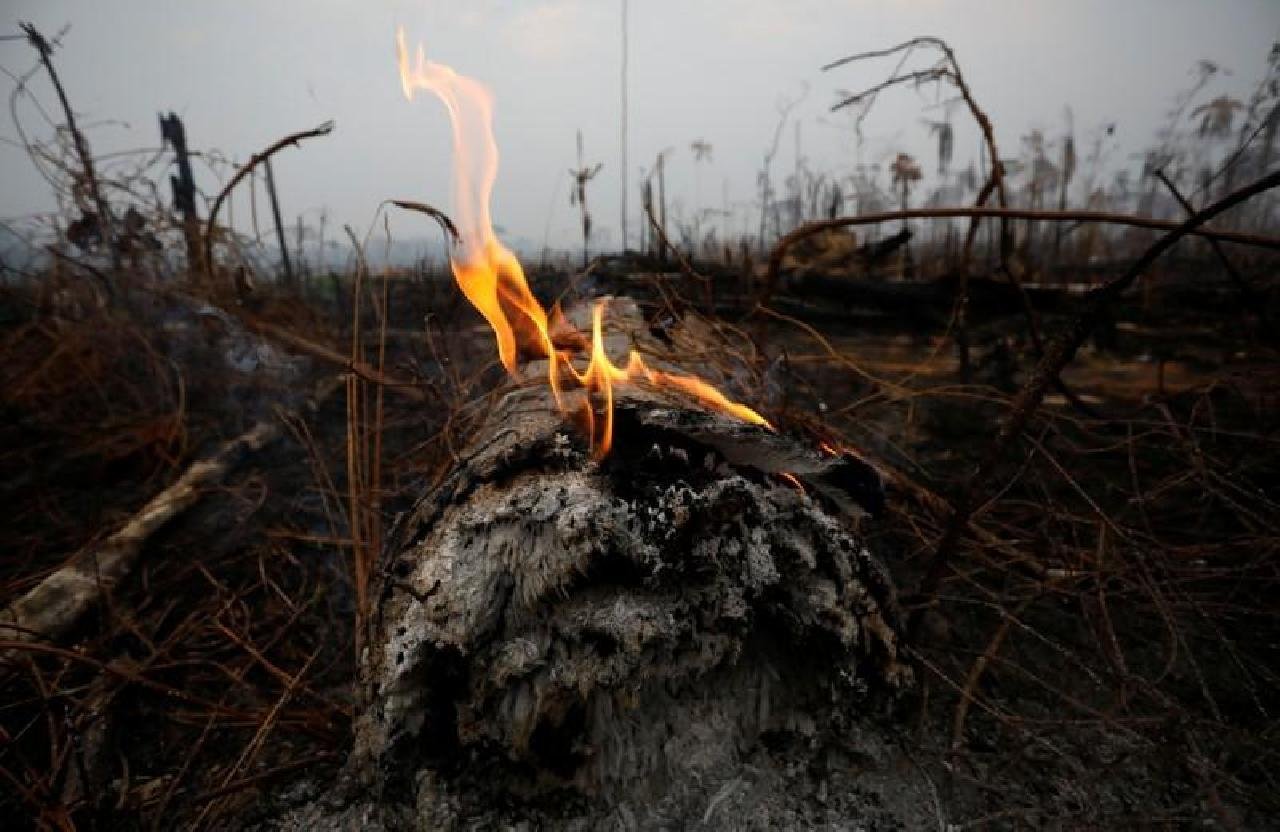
point(662, 206)
point(275, 212)
point(623, 170)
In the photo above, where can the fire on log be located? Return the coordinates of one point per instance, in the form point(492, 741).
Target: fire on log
point(620, 625)
point(564, 637)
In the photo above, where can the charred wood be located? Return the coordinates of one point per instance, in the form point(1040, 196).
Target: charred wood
point(625, 642)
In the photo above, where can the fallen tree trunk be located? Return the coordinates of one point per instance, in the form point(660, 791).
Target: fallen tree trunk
point(55, 605)
point(923, 302)
point(673, 635)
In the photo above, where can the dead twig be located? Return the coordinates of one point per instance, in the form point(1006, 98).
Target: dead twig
point(406, 389)
point(441, 218)
point(1247, 291)
point(979, 666)
point(251, 751)
point(949, 69)
point(681, 261)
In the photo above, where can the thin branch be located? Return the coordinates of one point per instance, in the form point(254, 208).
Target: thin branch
point(402, 387)
point(919, 76)
point(926, 40)
point(681, 261)
point(58, 602)
point(257, 159)
point(1250, 296)
point(442, 219)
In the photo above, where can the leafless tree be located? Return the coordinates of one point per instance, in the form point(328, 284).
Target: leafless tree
point(583, 174)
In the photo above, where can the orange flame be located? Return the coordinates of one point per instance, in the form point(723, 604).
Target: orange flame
point(487, 272)
point(491, 278)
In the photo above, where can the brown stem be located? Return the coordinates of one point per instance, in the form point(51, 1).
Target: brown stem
point(969, 693)
point(951, 73)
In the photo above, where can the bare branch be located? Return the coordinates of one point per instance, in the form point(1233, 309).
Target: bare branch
point(441, 218)
point(257, 159)
point(922, 76)
point(926, 40)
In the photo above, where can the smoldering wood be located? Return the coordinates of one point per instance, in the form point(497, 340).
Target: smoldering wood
point(666, 636)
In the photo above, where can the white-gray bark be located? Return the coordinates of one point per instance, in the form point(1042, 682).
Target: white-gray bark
point(665, 638)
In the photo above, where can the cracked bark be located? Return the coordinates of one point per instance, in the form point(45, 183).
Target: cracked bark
point(614, 643)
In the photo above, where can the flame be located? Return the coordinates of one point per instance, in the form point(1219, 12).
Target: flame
point(492, 279)
point(487, 272)
point(794, 480)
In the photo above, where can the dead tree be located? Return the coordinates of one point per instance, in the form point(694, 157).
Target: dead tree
point(583, 174)
point(183, 185)
point(88, 179)
point(664, 637)
point(285, 264)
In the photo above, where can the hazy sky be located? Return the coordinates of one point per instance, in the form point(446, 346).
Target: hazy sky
point(244, 73)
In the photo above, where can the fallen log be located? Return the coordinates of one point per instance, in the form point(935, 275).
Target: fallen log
point(55, 605)
point(667, 637)
point(927, 303)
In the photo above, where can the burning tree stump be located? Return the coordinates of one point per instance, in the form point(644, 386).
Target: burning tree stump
point(573, 641)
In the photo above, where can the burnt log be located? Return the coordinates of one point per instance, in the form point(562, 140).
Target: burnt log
point(674, 635)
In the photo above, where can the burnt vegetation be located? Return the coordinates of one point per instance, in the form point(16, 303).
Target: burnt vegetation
point(1066, 385)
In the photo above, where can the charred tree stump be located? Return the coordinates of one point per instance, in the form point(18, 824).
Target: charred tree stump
point(173, 133)
point(632, 642)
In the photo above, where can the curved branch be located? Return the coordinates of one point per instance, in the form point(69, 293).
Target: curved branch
point(949, 69)
point(925, 40)
point(920, 76)
point(257, 159)
point(442, 219)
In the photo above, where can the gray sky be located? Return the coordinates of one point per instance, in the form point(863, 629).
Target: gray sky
point(244, 73)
